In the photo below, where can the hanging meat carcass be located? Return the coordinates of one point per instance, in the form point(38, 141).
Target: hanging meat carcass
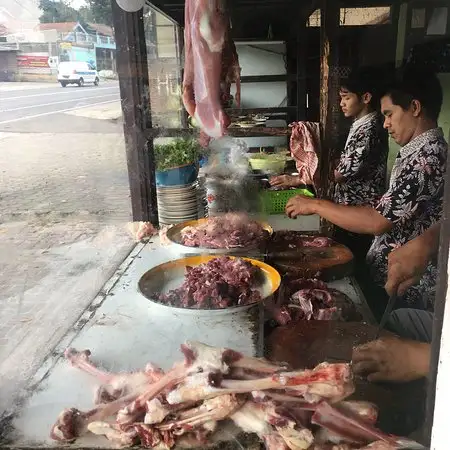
point(211, 66)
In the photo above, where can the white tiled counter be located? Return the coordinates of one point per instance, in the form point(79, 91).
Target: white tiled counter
point(124, 332)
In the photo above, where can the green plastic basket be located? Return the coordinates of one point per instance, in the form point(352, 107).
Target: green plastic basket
point(274, 202)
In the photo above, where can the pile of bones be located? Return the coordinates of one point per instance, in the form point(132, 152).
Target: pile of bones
point(184, 406)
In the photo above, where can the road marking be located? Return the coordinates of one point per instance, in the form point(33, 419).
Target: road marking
point(56, 103)
point(35, 116)
point(53, 93)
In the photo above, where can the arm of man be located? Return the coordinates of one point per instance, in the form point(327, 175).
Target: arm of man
point(407, 264)
point(392, 359)
point(285, 181)
point(357, 219)
point(338, 177)
point(406, 195)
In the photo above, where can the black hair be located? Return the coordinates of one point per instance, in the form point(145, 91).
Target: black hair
point(362, 81)
point(414, 82)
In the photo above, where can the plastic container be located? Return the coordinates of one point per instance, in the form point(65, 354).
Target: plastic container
point(274, 202)
point(177, 176)
point(268, 163)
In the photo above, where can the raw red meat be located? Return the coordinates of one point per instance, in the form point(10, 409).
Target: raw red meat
point(210, 63)
point(313, 300)
point(231, 230)
point(220, 283)
point(289, 239)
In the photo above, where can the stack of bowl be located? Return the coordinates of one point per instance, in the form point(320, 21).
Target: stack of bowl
point(177, 204)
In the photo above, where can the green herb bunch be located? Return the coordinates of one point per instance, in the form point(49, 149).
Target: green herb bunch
point(178, 153)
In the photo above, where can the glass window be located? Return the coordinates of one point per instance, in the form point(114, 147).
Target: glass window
point(438, 22)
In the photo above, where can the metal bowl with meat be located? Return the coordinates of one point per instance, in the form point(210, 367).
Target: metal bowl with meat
point(204, 284)
point(231, 233)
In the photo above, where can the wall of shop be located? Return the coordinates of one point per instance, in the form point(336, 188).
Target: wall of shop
point(258, 59)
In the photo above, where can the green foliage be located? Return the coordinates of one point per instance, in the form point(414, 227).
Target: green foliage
point(97, 11)
point(101, 11)
point(178, 153)
point(57, 12)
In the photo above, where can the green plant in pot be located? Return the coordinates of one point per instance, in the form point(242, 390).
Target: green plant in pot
point(177, 162)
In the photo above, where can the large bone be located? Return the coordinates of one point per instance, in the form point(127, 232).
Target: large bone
point(350, 428)
point(296, 439)
point(113, 385)
point(326, 381)
point(218, 359)
point(260, 419)
point(113, 433)
point(157, 410)
point(72, 423)
point(199, 359)
point(212, 410)
point(137, 407)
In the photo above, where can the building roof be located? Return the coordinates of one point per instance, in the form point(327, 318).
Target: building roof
point(67, 27)
point(63, 27)
point(102, 29)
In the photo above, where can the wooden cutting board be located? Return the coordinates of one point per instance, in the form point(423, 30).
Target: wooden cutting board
point(327, 263)
point(307, 344)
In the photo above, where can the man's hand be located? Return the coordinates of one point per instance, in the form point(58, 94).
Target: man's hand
point(392, 359)
point(285, 181)
point(300, 205)
point(407, 264)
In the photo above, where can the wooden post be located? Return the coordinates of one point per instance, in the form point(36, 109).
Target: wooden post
point(301, 68)
point(132, 68)
point(329, 94)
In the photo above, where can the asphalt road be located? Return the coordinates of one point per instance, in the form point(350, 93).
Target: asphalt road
point(42, 110)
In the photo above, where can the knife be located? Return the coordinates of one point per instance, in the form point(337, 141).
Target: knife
point(387, 313)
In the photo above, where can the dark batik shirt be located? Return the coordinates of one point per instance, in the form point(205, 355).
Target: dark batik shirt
point(413, 203)
point(363, 163)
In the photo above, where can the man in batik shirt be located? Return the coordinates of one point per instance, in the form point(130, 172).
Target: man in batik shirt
point(406, 357)
point(413, 202)
point(360, 175)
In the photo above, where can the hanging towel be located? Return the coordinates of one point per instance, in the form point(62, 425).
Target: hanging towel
point(305, 145)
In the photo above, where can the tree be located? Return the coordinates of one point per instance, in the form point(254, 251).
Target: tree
point(97, 11)
point(57, 11)
point(101, 11)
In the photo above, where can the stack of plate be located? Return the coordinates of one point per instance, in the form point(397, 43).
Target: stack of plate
point(177, 204)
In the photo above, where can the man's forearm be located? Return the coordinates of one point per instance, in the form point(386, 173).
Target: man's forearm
point(357, 219)
point(338, 178)
point(422, 358)
point(430, 239)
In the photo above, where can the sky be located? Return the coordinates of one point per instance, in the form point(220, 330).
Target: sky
point(76, 3)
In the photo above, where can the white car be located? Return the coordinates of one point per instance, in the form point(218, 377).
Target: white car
point(73, 72)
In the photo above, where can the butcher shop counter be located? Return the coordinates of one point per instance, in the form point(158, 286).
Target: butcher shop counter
point(123, 334)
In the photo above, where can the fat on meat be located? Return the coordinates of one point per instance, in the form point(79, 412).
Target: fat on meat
point(205, 31)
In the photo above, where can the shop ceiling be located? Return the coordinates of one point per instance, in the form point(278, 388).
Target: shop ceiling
point(245, 12)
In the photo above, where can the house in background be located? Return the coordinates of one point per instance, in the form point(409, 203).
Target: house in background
point(92, 43)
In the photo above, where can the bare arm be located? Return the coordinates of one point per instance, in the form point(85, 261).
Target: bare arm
point(407, 264)
point(338, 177)
point(392, 359)
point(357, 219)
